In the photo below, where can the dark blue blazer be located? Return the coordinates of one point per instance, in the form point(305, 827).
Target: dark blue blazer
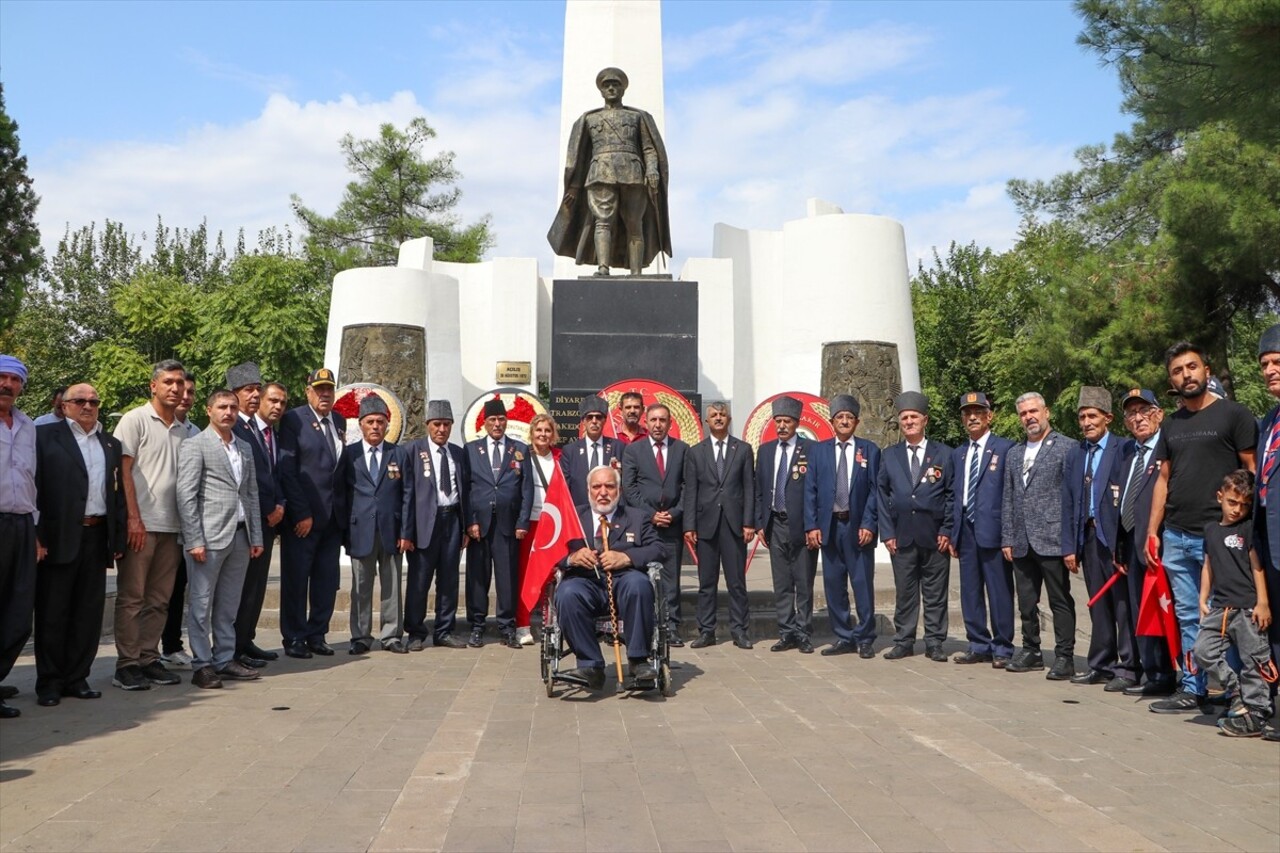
point(1131, 549)
point(424, 457)
point(916, 512)
point(642, 486)
point(630, 532)
point(1269, 517)
point(798, 461)
point(989, 493)
point(270, 489)
point(820, 490)
point(369, 509)
point(1106, 495)
point(575, 462)
point(507, 500)
point(305, 467)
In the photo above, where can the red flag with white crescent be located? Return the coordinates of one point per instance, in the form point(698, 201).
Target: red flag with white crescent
point(557, 527)
point(1155, 615)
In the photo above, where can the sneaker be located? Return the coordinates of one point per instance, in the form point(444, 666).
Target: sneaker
point(177, 660)
point(1248, 724)
point(1181, 702)
point(130, 678)
point(524, 636)
point(157, 674)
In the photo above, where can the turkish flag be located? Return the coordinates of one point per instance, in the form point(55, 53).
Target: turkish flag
point(1155, 615)
point(557, 527)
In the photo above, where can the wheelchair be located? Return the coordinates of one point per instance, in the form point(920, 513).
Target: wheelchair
point(554, 647)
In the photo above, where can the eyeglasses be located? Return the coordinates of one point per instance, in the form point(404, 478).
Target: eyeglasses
point(84, 401)
point(1139, 414)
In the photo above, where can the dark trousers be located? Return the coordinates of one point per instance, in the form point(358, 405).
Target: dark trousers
point(794, 568)
point(308, 576)
point(920, 574)
point(580, 601)
point(1271, 572)
point(494, 559)
point(986, 586)
point(171, 637)
point(724, 550)
point(17, 585)
point(1031, 573)
point(1152, 652)
point(439, 562)
point(254, 592)
point(845, 565)
point(673, 538)
point(68, 617)
point(1113, 647)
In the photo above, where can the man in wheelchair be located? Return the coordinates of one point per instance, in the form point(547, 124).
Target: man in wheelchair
point(624, 543)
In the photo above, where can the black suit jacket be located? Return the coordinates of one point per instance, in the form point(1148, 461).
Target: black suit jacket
point(270, 490)
point(424, 472)
point(708, 498)
point(62, 490)
point(1131, 547)
point(306, 466)
point(648, 492)
point(575, 461)
point(916, 511)
point(1106, 497)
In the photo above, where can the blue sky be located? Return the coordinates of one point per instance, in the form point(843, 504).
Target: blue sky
point(916, 110)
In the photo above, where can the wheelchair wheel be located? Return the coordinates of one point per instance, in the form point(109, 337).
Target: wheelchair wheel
point(660, 648)
point(549, 648)
point(547, 652)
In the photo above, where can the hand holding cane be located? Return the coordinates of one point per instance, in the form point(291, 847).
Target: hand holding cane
point(613, 607)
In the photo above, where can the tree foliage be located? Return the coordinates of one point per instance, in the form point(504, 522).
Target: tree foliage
point(20, 253)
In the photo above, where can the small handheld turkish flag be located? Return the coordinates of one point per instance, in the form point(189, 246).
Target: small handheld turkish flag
point(558, 526)
point(1155, 615)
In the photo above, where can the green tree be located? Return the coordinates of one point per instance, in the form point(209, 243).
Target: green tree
point(398, 194)
point(20, 253)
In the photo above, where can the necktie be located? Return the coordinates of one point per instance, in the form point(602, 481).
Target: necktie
point(373, 463)
point(720, 459)
point(595, 456)
point(842, 479)
point(915, 466)
point(329, 440)
point(1268, 463)
point(662, 465)
point(1089, 462)
point(602, 534)
point(271, 450)
point(1129, 509)
point(446, 476)
point(970, 505)
point(496, 461)
point(780, 482)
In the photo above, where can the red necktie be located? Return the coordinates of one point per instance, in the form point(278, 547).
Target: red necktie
point(662, 465)
point(1269, 462)
point(266, 437)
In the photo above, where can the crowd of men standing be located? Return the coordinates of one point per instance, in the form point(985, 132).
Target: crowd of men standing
point(159, 497)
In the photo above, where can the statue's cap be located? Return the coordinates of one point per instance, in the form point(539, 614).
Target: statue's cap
point(611, 73)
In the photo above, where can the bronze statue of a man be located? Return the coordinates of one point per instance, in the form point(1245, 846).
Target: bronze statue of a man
point(617, 156)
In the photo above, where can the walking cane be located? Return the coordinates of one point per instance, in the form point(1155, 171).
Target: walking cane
point(613, 607)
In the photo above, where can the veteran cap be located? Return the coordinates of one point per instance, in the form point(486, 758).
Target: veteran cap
point(1143, 394)
point(845, 403)
point(1094, 397)
point(439, 410)
point(243, 374)
point(1270, 341)
point(787, 407)
point(1214, 385)
point(321, 376)
point(593, 405)
point(974, 398)
point(912, 401)
point(374, 405)
point(495, 408)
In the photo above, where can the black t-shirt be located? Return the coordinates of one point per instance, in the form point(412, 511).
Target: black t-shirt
point(1203, 448)
point(1227, 549)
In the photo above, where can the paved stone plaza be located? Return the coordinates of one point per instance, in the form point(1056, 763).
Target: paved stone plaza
point(462, 750)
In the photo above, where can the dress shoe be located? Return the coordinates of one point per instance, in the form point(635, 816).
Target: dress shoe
point(1151, 689)
point(1063, 669)
point(130, 678)
point(839, 647)
point(7, 691)
point(396, 647)
point(592, 678)
point(359, 647)
point(866, 651)
point(261, 654)
point(511, 641)
point(936, 654)
point(157, 674)
point(297, 649)
point(320, 647)
point(785, 644)
point(415, 644)
point(206, 678)
point(1000, 661)
point(644, 674)
point(1093, 676)
point(1025, 661)
point(742, 641)
point(972, 657)
point(1119, 684)
point(477, 638)
point(703, 640)
point(81, 690)
point(804, 646)
point(675, 642)
point(898, 652)
point(8, 712)
point(236, 671)
point(250, 661)
point(48, 700)
point(450, 642)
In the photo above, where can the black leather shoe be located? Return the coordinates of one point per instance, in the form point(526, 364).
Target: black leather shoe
point(936, 654)
point(675, 642)
point(866, 651)
point(510, 641)
point(477, 638)
point(644, 674)
point(1151, 689)
point(7, 691)
point(1119, 684)
point(1025, 661)
point(396, 647)
point(703, 640)
point(48, 700)
point(1093, 676)
point(592, 678)
point(261, 654)
point(250, 661)
point(1000, 662)
point(898, 652)
point(81, 690)
point(450, 642)
point(839, 647)
point(8, 712)
point(359, 647)
point(297, 649)
point(971, 657)
point(1063, 670)
point(320, 647)
point(742, 641)
point(415, 644)
point(785, 644)
point(804, 646)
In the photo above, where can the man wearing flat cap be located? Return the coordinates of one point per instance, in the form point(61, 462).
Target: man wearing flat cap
point(441, 482)
point(915, 514)
point(311, 441)
point(374, 497)
point(782, 471)
point(498, 516)
point(590, 451)
point(1266, 511)
point(18, 546)
point(841, 518)
point(1113, 657)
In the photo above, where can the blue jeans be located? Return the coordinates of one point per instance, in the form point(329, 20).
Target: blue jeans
point(1183, 559)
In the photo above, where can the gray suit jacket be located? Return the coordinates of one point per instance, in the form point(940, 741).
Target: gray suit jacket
point(208, 493)
point(1040, 515)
